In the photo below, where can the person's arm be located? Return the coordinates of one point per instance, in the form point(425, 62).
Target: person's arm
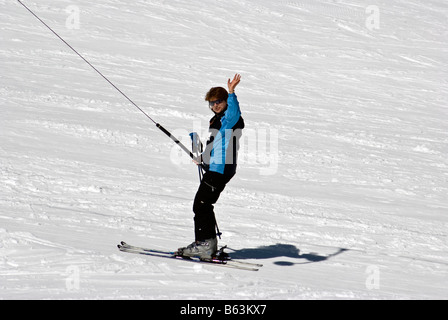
point(233, 111)
point(232, 84)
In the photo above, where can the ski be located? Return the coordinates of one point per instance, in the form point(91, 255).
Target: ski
point(124, 245)
point(221, 251)
point(227, 262)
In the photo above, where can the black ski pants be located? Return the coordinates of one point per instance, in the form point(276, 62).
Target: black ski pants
point(212, 184)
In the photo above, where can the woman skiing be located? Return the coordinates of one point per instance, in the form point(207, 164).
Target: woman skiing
point(219, 160)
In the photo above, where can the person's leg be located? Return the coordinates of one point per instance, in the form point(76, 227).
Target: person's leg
point(212, 185)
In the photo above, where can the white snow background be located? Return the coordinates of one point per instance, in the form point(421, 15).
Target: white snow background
point(343, 183)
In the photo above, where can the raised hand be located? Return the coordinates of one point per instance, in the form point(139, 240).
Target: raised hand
point(232, 84)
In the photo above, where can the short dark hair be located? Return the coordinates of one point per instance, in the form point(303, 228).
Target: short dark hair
point(218, 93)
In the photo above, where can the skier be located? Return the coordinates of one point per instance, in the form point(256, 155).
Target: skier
point(219, 159)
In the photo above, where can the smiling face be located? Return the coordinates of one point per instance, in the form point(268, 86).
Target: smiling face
point(218, 105)
point(217, 99)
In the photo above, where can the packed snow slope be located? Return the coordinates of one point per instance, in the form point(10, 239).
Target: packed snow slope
point(342, 187)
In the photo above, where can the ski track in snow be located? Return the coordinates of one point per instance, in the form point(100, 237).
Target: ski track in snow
point(361, 181)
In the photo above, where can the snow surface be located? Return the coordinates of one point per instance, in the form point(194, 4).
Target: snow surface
point(342, 188)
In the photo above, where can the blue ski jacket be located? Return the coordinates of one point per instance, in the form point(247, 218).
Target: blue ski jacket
point(220, 153)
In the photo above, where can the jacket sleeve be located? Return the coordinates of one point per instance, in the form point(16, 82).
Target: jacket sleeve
point(233, 112)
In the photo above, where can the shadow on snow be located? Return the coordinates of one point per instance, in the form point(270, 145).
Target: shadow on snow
point(282, 250)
